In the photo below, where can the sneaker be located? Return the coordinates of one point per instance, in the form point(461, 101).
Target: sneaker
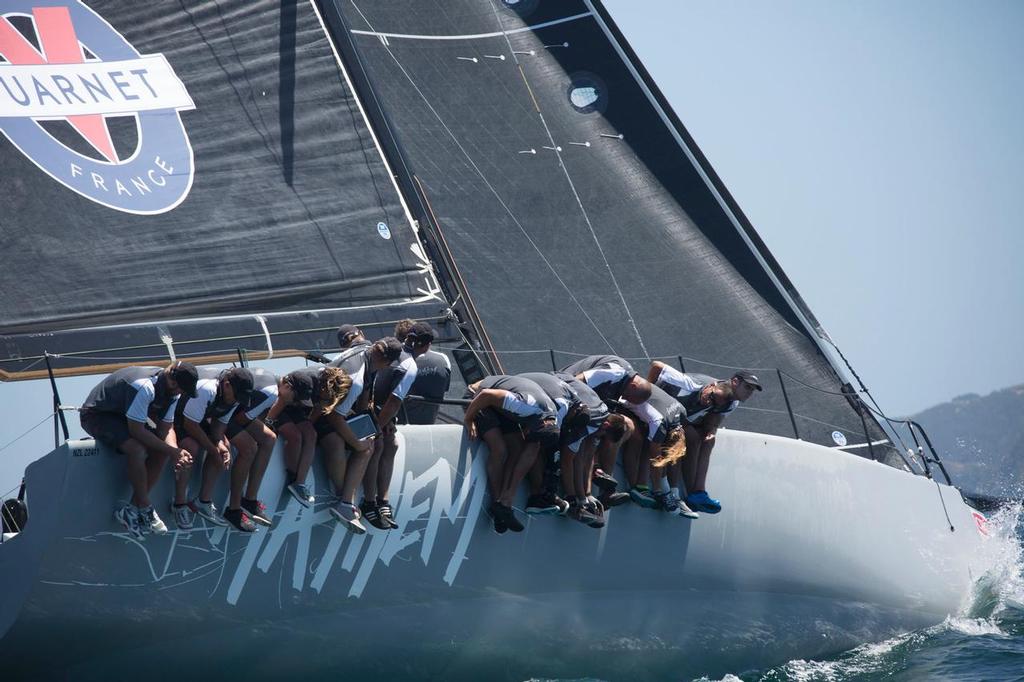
point(348, 515)
point(605, 482)
point(240, 520)
point(183, 516)
point(701, 501)
point(596, 512)
point(579, 512)
point(128, 516)
point(372, 514)
point(546, 503)
point(641, 495)
point(208, 510)
point(150, 522)
point(510, 519)
point(674, 505)
point(497, 518)
point(609, 500)
point(387, 514)
point(257, 511)
point(301, 493)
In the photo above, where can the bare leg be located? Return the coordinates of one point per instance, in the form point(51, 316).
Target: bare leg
point(265, 440)
point(568, 465)
point(292, 445)
point(181, 480)
point(137, 474)
point(356, 471)
point(536, 475)
point(245, 453)
point(372, 466)
point(213, 465)
point(635, 473)
point(518, 472)
point(386, 466)
point(700, 480)
point(306, 452)
point(333, 448)
point(693, 438)
point(495, 461)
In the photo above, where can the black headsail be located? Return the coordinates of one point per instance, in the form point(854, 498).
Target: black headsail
point(240, 200)
point(576, 207)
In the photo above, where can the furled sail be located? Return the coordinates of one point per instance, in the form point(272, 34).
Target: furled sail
point(576, 207)
point(194, 178)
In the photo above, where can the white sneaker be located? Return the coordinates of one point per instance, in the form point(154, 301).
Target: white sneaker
point(208, 510)
point(348, 515)
point(183, 516)
point(128, 516)
point(150, 522)
point(676, 506)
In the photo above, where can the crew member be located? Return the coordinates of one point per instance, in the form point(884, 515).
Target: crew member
point(253, 442)
point(706, 400)
point(201, 424)
point(516, 418)
point(360, 362)
point(118, 411)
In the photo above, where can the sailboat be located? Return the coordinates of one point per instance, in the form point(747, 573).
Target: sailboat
point(229, 183)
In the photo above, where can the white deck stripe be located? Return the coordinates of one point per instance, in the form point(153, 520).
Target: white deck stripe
point(862, 445)
point(474, 36)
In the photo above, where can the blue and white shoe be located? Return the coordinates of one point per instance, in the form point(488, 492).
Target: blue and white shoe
point(642, 496)
point(702, 502)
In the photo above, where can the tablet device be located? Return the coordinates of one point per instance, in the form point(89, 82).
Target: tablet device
point(362, 425)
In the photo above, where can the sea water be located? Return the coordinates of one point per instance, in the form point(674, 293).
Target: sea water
point(984, 641)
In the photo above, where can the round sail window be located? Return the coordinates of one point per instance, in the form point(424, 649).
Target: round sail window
point(587, 93)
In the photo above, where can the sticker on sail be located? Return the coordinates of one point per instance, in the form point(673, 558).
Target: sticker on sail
point(383, 230)
point(981, 523)
point(587, 93)
point(90, 111)
point(839, 438)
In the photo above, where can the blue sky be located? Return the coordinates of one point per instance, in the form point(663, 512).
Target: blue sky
point(876, 147)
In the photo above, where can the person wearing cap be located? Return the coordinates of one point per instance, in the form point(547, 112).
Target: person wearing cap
point(706, 400)
point(303, 396)
point(254, 442)
point(390, 387)
point(516, 419)
point(350, 336)
point(433, 379)
point(118, 413)
point(336, 438)
point(201, 424)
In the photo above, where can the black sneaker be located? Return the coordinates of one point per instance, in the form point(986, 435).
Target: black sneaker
point(494, 511)
point(372, 515)
point(257, 511)
point(609, 500)
point(240, 520)
point(596, 512)
point(542, 503)
point(510, 519)
point(386, 514)
point(606, 483)
point(578, 512)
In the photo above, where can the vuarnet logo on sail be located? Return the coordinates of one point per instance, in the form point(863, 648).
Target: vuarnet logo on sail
point(60, 61)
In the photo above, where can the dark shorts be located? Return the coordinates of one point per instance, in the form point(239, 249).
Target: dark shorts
point(182, 434)
point(236, 426)
point(294, 414)
point(106, 427)
point(323, 428)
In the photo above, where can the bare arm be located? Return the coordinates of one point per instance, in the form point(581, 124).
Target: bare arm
point(150, 440)
point(390, 409)
point(711, 424)
point(489, 397)
point(655, 371)
point(342, 428)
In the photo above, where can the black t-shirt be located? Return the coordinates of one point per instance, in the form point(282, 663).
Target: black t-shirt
point(661, 413)
point(606, 374)
point(119, 393)
point(433, 378)
point(528, 403)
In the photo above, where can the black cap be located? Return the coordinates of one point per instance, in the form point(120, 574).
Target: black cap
point(345, 331)
point(749, 378)
point(392, 348)
point(303, 386)
point(241, 380)
point(420, 334)
point(186, 376)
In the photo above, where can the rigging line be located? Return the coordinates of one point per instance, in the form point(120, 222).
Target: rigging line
point(488, 184)
point(44, 420)
point(469, 36)
point(847, 429)
point(576, 194)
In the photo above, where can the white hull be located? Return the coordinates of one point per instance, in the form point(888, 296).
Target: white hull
point(815, 551)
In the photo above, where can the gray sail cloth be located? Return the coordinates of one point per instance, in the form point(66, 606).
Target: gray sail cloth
point(532, 133)
point(291, 207)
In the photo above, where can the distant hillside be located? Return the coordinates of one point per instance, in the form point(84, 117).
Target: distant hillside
point(981, 440)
